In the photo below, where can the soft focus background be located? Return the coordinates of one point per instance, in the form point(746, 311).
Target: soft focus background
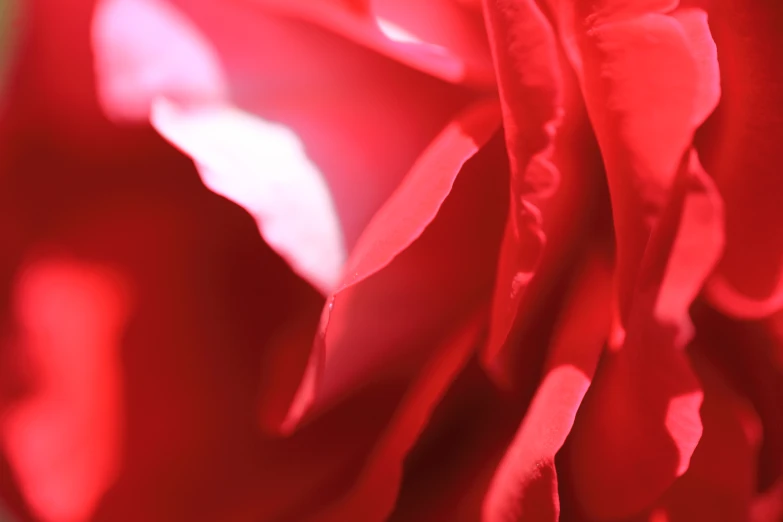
point(125, 286)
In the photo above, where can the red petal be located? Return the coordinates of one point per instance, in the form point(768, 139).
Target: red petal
point(721, 479)
point(639, 423)
point(643, 111)
point(525, 485)
point(744, 351)
point(397, 293)
point(529, 81)
point(741, 150)
point(373, 496)
point(648, 80)
point(581, 193)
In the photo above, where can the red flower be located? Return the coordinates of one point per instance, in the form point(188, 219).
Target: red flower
point(541, 241)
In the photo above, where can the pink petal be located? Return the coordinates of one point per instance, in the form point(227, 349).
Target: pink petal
point(172, 58)
point(386, 303)
point(439, 37)
point(262, 167)
point(395, 226)
point(741, 150)
point(266, 68)
point(525, 486)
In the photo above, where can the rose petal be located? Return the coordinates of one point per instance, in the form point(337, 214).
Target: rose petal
point(720, 481)
point(262, 167)
point(525, 485)
point(173, 59)
point(371, 102)
point(420, 195)
point(644, 114)
point(530, 85)
point(639, 423)
point(448, 471)
point(373, 496)
point(387, 303)
point(439, 37)
point(640, 419)
point(581, 192)
point(741, 150)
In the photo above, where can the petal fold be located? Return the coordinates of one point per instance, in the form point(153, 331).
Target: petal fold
point(410, 229)
point(525, 486)
point(439, 37)
point(639, 424)
point(252, 74)
point(530, 86)
point(262, 167)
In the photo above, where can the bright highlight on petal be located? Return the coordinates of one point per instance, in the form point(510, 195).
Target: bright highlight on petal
point(263, 167)
point(173, 58)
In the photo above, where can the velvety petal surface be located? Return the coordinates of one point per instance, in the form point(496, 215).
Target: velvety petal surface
point(530, 86)
point(649, 76)
point(582, 192)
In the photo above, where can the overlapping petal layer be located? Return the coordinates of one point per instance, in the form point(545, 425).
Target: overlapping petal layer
point(224, 62)
point(525, 486)
point(648, 74)
point(530, 86)
point(439, 37)
point(377, 319)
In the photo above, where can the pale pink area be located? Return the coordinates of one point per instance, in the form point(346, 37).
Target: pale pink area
point(272, 109)
point(63, 440)
point(170, 57)
point(263, 167)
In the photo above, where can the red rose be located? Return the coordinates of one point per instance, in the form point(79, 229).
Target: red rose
point(541, 242)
